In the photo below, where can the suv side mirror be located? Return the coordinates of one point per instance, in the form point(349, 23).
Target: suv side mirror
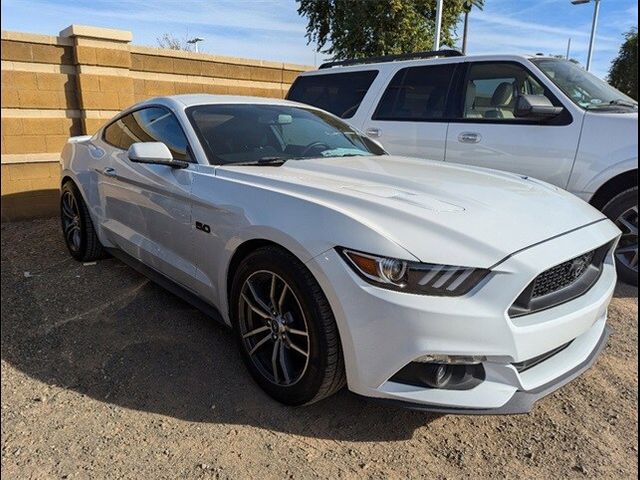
point(155, 153)
point(536, 106)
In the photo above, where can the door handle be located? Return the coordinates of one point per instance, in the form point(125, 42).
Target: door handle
point(110, 172)
point(373, 132)
point(469, 137)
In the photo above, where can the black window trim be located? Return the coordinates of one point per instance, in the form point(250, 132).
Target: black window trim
point(189, 150)
point(449, 101)
point(562, 120)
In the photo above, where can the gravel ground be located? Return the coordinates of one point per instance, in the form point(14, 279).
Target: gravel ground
point(105, 375)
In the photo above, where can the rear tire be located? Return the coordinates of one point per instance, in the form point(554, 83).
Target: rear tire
point(77, 228)
point(280, 314)
point(623, 211)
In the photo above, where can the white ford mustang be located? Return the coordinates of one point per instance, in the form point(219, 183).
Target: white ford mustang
point(438, 286)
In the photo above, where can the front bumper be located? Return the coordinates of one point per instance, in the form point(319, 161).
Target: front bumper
point(522, 401)
point(382, 331)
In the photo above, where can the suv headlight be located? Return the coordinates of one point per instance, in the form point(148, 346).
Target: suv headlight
point(413, 277)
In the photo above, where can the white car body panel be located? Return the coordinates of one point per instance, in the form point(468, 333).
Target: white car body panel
point(608, 147)
point(393, 206)
point(414, 202)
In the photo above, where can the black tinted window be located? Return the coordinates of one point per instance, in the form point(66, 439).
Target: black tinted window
point(416, 93)
point(152, 124)
point(339, 93)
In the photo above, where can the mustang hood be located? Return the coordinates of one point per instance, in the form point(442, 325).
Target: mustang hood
point(476, 216)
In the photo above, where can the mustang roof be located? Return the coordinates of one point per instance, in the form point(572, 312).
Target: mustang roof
point(188, 100)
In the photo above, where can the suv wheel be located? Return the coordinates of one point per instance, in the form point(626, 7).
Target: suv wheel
point(285, 328)
point(623, 210)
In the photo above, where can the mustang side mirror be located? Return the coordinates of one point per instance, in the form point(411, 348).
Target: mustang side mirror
point(155, 153)
point(536, 106)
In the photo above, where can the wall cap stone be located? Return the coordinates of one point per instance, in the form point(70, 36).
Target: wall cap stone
point(22, 158)
point(166, 52)
point(35, 38)
point(87, 31)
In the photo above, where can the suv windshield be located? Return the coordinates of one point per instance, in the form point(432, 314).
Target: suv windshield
point(247, 133)
point(583, 88)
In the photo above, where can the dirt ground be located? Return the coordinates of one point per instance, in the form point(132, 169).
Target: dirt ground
point(105, 375)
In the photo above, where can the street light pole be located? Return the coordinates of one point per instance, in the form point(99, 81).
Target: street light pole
point(596, 12)
point(436, 41)
point(594, 23)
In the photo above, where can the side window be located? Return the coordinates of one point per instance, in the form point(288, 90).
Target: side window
point(339, 93)
point(115, 134)
point(153, 124)
point(416, 93)
point(492, 89)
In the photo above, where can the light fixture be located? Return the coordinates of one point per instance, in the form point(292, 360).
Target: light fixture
point(194, 41)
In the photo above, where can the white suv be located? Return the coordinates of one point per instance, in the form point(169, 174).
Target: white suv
point(537, 116)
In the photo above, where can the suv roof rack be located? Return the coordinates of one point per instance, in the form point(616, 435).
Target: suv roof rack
point(392, 58)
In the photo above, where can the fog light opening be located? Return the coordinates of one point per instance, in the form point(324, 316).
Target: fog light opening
point(445, 376)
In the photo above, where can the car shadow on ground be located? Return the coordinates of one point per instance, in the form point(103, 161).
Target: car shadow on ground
point(107, 332)
point(625, 291)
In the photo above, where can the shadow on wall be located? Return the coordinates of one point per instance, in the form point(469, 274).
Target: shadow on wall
point(30, 204)
point(107, 332)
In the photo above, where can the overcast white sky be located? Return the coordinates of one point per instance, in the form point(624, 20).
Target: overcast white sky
point(272, 29)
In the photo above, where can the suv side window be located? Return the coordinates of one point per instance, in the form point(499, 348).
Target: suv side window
point(492, 89)
point(417, 94)
point(152, 124)
point(339, 93)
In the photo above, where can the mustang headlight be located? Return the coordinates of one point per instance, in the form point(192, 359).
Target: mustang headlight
point(413, 277)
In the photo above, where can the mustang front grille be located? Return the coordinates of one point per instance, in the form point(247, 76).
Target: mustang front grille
point(561, 275)
point(561, 283)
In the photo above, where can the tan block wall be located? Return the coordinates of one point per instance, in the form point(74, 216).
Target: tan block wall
point(24, 51)
point(57, 87)
point(29, 190)
point(37, 135)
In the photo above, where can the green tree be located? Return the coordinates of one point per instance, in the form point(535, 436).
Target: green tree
point(467, 6)
point(624, 68)
point(365, 28)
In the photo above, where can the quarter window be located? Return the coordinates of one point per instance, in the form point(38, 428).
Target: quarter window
point(152, 124)
point(416, 93)
point(339, 93)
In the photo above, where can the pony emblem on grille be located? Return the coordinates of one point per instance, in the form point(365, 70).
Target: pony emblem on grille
point(579, 265)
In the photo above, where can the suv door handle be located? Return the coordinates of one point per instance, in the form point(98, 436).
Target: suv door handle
point(469, 137)
point(373, 132)
point(110, 172)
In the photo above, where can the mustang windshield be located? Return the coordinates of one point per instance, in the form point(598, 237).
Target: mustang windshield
point(585, 89)
point(265, 134)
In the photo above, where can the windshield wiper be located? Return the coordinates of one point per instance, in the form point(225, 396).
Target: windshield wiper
point(264, 161)
point(620, 102)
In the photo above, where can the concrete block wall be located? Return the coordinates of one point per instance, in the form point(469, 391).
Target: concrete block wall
point(57, 87)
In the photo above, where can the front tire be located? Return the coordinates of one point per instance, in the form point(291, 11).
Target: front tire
point(285, 329)
point(623, 211)
point(77, 228)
